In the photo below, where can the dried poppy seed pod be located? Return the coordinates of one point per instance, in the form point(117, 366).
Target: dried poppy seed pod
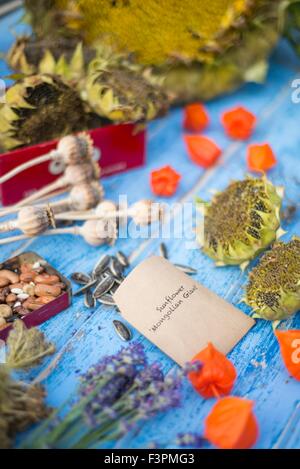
point(97, 232)
point(80, 173)
point(75, 149)
point(74, 175)
point(31, 220)
point(86, 196)
point(72, 150)
point(241, 221)
point(94, 232)
point(35, 220)
point(273, 290)
point(106, 207)
point(145, 212)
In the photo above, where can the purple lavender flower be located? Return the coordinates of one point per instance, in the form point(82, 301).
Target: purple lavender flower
point(115, 395)
point(149, 375)
point(192, 367)
point(190, 440)
point(156, 395)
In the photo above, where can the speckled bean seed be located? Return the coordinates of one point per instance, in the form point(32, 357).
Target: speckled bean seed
point(11, 276)
point(5, 311)
point(28, 277)
point(2, 323)
point(11, 298)
point(47, 290)
point(4, 282)
point(47, 279)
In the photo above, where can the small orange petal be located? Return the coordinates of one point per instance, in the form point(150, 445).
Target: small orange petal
point(239, 123)
point(260, 157)
point(165, 181)
point(216, 377)
point(231, 424)
point(196, 118)
point(289, 342)
point(202, 150)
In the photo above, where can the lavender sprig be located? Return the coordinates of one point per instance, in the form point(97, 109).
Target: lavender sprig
point(114, 396)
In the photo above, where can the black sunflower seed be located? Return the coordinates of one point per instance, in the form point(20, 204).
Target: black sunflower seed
point(89, 299)
point(163, 251)
point(186, 269)
point(86, 287)
point(106, 299)
point(80, 278)
point(101, 265)
point(104, 286)
point(122, 258)
point(116, 267)
point(122, 331)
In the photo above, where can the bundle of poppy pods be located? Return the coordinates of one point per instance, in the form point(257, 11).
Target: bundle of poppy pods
point(238, 123)
point(231, 424)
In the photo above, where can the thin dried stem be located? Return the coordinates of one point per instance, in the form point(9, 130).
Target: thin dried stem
point(29, 164)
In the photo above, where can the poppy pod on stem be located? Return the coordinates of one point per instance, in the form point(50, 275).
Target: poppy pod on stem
point(217, 376)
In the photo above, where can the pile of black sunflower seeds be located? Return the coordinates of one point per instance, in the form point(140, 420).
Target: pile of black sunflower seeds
point(106, 277)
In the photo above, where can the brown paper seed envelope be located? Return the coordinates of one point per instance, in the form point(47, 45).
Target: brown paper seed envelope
point(176, 313)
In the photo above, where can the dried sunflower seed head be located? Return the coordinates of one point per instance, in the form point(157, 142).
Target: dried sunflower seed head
point(241, 221)
point(273, 290)
point(124, 92)
point(26, 347)
point(40, 108)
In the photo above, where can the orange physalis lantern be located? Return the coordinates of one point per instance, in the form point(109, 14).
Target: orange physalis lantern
point(260, 158)
point(202, 150)
point(239, 123)
point(195, 118)
point(231, 424)
point(289, 342)
point(164, 181)
point(217, 375)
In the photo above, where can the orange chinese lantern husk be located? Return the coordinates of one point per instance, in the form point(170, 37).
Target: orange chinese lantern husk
point(164, 181)
point(239, 123)
point(216, 377)
point(202, 150)
point(231, 424)
point(289, 342)
point(195, 118)
point(260, 158)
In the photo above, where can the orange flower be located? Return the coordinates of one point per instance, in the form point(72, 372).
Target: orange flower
point(231, 424)
point(164, 181)
point(239, 123)
point(202, 150)
point(289, 342)
point(260, 158)
point(195, 118)
point(217, 375)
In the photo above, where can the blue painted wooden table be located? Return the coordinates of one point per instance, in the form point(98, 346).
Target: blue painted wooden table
point(84, 336)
